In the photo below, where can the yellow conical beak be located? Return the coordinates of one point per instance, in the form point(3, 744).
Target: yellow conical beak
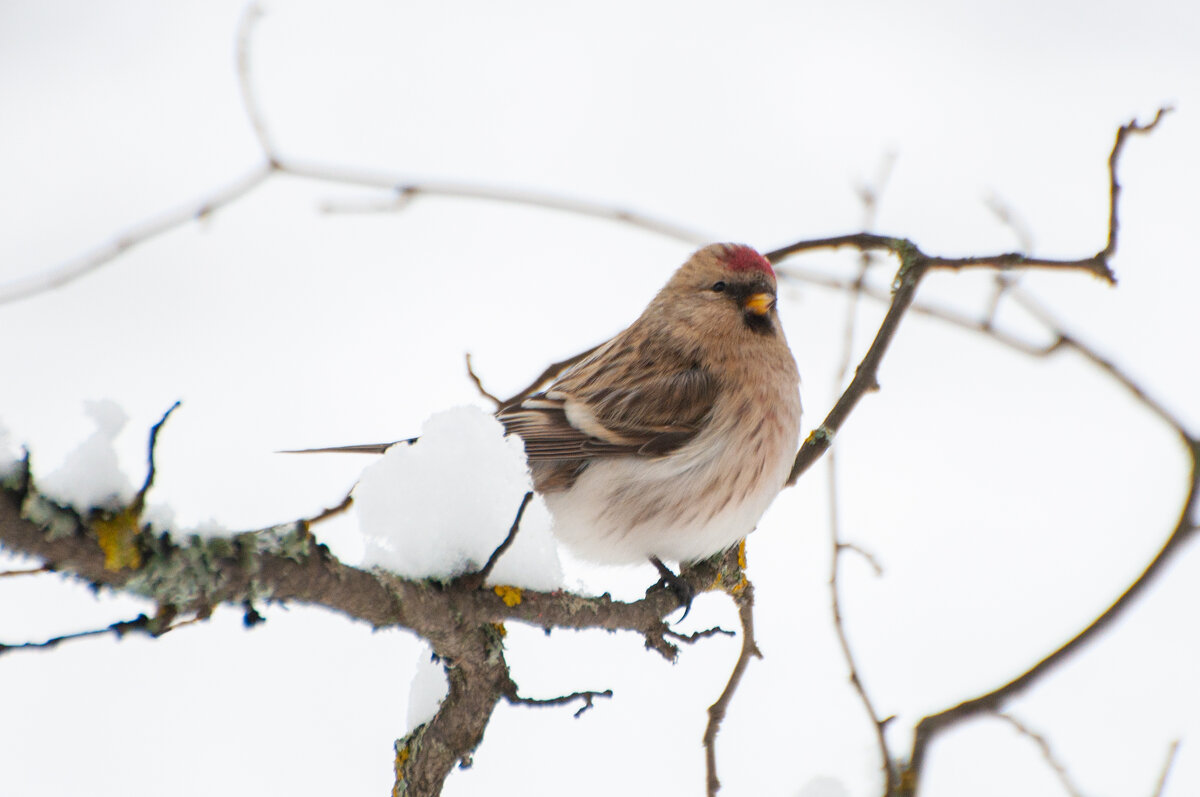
point(760, 303)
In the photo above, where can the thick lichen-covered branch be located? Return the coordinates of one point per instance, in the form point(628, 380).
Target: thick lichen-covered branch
point(285, 563)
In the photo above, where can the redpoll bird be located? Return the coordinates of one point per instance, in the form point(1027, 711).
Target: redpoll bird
point(670, 440)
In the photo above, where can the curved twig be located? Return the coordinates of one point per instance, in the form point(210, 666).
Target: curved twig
point(474, 377)
point(551, 371)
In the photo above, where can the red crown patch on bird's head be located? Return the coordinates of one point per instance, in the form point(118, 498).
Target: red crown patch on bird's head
point(742, 258)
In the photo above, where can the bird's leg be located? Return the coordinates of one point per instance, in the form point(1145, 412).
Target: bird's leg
point(669, 579)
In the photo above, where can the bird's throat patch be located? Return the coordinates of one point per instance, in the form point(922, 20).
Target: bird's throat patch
point(758, 323)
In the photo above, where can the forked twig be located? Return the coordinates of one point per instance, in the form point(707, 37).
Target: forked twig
point(696, 636)
point(586, 697)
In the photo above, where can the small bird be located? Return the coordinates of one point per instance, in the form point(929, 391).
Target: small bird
point(670, 440)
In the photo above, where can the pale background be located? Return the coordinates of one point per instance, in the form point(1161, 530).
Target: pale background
point(1009, 500)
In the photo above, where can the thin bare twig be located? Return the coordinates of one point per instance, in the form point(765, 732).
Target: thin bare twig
point(1066, 340)
point(904, 248)
point(405, 191)
point(870, 198)
point(246, 24)
point(71, 270)
point(1002, 281)
point(586, 697)
point(878, 723)
point(716, 712)
point(1009, 218)
point(1048, 756)
point(1114, 187)
point(479, 384)
point(1166, 769)
point(29, 572)
point(551, 371)
point(139, 501)
point(120, 629)
point(871, 193)
point(944, 314)
point(475, 580)
point(865, 554)
point(332, 511)
point(696, 636)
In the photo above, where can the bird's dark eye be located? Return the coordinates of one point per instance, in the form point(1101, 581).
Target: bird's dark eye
point(718, 287)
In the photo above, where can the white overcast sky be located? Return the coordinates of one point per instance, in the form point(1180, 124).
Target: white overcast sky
point(1008, 499)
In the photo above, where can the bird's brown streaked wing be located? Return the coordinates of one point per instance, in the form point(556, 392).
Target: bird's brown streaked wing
point(647, 401)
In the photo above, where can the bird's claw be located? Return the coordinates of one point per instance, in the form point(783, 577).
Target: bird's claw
point(675, 583)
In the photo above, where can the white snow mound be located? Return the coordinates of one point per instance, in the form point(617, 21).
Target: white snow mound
point(439, 507)
point(91, 476)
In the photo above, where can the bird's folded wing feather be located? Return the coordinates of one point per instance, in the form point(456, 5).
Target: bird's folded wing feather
point(647, 400)
point(361, 448)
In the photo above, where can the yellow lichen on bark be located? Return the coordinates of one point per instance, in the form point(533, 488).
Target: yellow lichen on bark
point(117, 536)
point(510, 595)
